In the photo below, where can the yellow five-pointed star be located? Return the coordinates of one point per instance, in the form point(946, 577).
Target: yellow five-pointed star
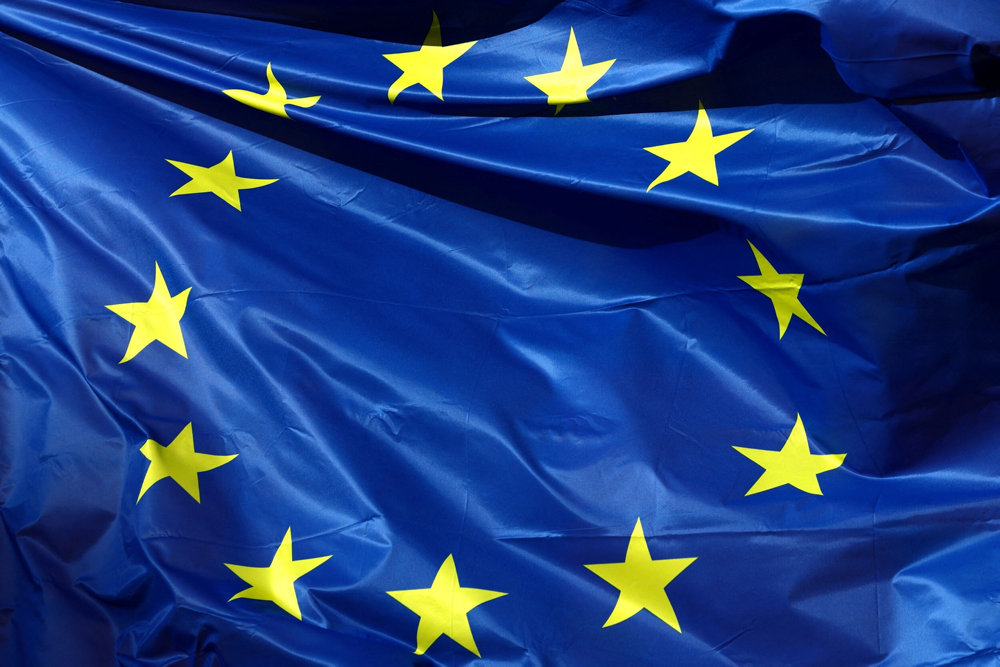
point(179, 462)
point(276, 582)
point(426, 66)
point(443, 608)
point(156, 319)
point(783, 291)
point(274, 100)
point(697, 154)
point(570, 83)
point(219, 179)
point(793, 464)
point(641, 581)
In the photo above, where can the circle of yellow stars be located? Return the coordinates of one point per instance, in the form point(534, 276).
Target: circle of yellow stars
point(444, 607)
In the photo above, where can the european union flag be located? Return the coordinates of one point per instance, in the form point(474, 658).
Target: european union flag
point(616, 332)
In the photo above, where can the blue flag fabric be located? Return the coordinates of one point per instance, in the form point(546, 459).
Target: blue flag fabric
point(540, 333)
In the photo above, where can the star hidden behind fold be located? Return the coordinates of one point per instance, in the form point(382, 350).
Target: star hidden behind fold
point(425, 66)
point(159, 318)
point(274, 100)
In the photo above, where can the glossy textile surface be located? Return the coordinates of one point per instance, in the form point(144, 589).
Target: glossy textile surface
point(611, 332)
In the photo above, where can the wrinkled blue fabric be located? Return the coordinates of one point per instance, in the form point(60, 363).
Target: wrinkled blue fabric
point(464, 326)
